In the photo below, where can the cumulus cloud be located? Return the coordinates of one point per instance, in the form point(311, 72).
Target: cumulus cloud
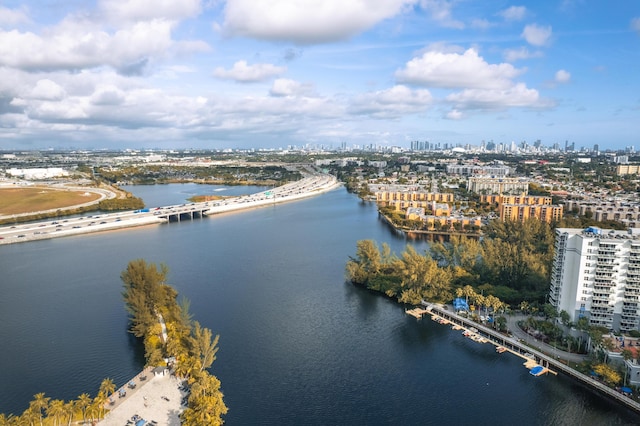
point(393, 102)
point(287, 87)
point(78, 45)
point(12, 17)
point(562, 76)
point(454, 70)
point(536, 35)
point(147, 10)
point(46, 89)
point(513, 13)
point(124, 35)
point(245, 73)
point(635, 24)
point(517, 95)
point(512, 55)
point(306, 22)
point(107, 95)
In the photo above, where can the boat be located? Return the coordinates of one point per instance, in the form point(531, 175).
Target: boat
point(538, 370)
point(501, 349)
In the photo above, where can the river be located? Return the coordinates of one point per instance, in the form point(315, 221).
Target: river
point(297, 344)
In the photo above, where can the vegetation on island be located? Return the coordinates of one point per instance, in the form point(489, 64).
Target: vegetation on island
point(150, 302)
point(190, 348)
point(511, 263)
point(118, 204)
point(45, 411)
point(227, 174)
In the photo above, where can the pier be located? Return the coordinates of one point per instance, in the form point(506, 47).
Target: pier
point(512, 345)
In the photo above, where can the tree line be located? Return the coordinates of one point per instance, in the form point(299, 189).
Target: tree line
point(53, 412)
point(150, 301)
point(511, 262)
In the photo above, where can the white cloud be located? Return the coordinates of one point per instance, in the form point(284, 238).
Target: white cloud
point(244, 73)
point(147, 10)
point(517, 95)
point(13, 17)
point(453, 70)
point(107, 95)
point(635, 24)
point(306, 22)
point(536, 35)
point(454, 114)
point(441, 12)
point(76, 45)
point(562, 76)
point(288, 87)
point(512, 55)
point(482, 24)
point(513, 13)
point(394, 102)
point(46, 89)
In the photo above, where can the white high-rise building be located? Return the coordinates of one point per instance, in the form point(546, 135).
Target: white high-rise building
point(596, 274)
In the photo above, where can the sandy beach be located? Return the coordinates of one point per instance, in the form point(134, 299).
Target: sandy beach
point(157, 398)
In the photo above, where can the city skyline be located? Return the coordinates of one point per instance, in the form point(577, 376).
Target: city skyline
point(243, 74)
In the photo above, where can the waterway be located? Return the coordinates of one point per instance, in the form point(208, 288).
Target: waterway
point(298, 345)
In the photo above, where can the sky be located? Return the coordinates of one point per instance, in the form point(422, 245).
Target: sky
point(194, 74)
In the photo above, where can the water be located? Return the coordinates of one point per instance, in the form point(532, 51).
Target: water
point(297, 344)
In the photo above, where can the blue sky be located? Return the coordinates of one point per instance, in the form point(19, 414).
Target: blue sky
point(274, 73)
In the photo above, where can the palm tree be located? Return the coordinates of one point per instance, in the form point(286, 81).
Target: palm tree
point(39, 404)
point(99, 401)
point(55, 410)
point(30, 416)
point(70, 410)
point(93, 410)
point(107, 387)
point(84, 401)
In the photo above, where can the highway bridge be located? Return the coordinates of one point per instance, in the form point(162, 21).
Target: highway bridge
point(308, 187)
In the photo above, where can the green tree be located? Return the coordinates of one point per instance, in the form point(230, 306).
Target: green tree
point(607, 373)
point(366, 264)
point(564, 316)
point(55, 411)
point(83, 402)
point(144, 290)
point(205, 404)
point(40, 404)
point(69, 411)
point(205, 348)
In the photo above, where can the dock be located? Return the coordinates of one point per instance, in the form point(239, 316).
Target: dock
point(416, 312)
point(537, 362)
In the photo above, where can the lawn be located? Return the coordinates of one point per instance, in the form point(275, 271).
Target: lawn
point(28, 200)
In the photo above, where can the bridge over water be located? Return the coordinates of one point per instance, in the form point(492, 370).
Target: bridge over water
point(526, 352)
point(310, 186)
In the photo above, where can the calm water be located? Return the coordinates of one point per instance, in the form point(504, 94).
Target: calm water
point(297, 344)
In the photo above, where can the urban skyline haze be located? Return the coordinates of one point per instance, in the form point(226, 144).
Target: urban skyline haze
point(248, 74)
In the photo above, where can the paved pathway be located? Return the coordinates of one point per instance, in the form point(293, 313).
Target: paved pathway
point(512, 324)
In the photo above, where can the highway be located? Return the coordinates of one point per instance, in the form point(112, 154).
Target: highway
point(66, 226)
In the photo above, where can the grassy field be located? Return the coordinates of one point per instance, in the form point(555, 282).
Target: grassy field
point(27, 200)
